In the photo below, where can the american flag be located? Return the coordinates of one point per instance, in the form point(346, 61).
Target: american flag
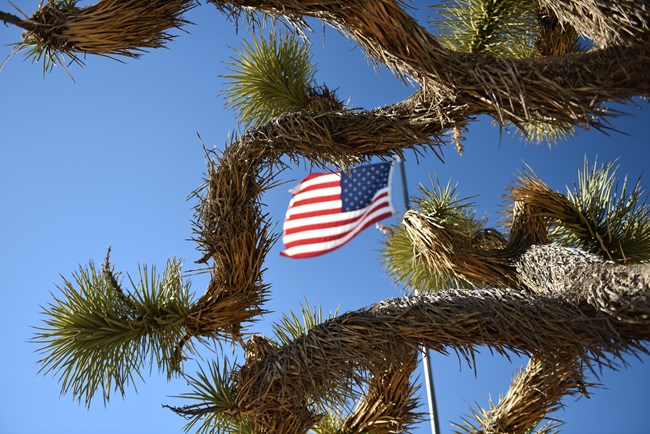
point(328, 209)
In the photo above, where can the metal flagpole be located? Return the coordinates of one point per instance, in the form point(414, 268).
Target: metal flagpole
point(431, 392)
point(428, 375)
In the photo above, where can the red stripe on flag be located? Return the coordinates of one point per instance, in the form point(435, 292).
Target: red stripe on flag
point(319, 213)
point(320, 185)
point(336, 236)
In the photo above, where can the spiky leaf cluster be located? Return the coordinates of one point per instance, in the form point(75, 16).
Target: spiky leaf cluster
point(541, 132)
point(59, 29)
point(611, 219)
point(214, 407)
point(444, 205)
point(292, 326)
point(504, 28)
point(96, 337)
point(329, 424)
point(43, 47)
point(268, 77)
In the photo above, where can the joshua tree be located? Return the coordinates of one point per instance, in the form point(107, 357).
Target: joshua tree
point(562, 260)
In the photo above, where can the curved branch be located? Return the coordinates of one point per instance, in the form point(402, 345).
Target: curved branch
point(389, 404)
point(551, 89)
point(229, 223)
point(505, 320)
point(535, 392)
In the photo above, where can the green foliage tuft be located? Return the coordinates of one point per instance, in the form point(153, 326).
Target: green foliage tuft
point(213, 390)
point(269, 77)
point(546, 132)
point(329, 424)
point(45, 48)
point(503, 28)
point(443, 204)
point(291, 327)
point(97, 337)
point(612, 221)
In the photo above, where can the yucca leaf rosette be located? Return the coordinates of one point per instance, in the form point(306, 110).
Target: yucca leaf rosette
point(97, 337)
point(274, 75)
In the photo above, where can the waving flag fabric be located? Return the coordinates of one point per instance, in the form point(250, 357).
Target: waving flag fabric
point(328, 209)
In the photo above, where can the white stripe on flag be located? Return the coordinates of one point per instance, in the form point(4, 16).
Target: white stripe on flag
point(297, 223)
point(315, 220)
point(331, 231)
point(319, 192)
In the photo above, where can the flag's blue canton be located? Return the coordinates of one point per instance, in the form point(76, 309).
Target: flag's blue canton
point(361, 183)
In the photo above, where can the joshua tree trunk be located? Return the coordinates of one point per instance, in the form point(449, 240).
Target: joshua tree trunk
point(573, 310)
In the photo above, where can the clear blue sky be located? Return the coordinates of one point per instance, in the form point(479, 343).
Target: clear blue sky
point(109, 161)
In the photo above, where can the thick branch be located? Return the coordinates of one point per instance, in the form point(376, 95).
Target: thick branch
point(551, 89)
point(389, 404)
point(8, 18)
point(350, 136)
point(618, 290)
point(505, 320)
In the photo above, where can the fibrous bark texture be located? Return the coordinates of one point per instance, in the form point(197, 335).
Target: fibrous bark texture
point(562, 336)
point(536, 390)
point(567, 88)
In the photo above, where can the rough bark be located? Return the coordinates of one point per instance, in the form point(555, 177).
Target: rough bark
point(535, 390)
point(564, 301)
point(620, 291)
point(8, 18)
point(566, 88)
point(542, 321)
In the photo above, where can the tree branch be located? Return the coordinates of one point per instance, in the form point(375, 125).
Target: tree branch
point(506, 320)
point(536, 391)
point(109, 273)
point(583, 278)
point(8, 18)
point(550, 89)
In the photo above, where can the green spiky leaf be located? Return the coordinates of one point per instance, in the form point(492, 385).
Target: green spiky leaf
point(269, 77)
point(291, 326)
point(612, 220)
point(96, 337)
point(546, 132)
point(213, 394)
point(503, 28)
point(47, 50)
point(443, 204)
point(331, 423)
